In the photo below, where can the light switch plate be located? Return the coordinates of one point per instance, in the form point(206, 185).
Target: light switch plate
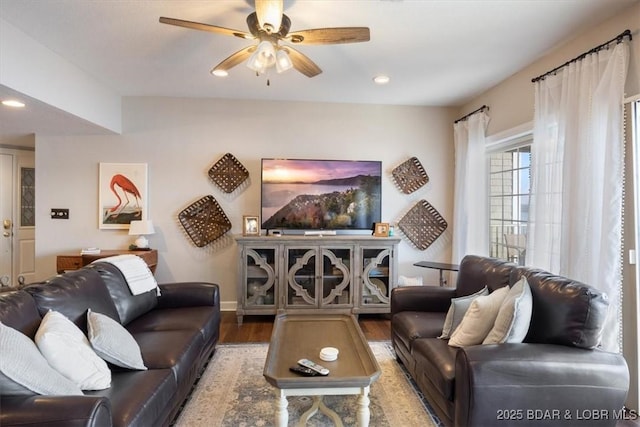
point(59, 213)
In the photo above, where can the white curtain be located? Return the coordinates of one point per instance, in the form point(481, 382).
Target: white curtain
point(575, 222)
point(470, 211)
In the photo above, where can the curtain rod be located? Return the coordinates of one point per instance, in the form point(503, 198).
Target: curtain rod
point(484, 107)
point(618, 39)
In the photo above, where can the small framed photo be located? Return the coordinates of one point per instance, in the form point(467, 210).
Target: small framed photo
point(381, 229)
point(250, 225)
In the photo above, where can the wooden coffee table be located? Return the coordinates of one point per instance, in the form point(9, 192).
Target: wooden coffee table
point(296, 337)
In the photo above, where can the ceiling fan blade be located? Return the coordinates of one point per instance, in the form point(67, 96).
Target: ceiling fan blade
point(330, 35)
point(302, 63)
point(206, 27)
point(269, 14)
point(235, 59)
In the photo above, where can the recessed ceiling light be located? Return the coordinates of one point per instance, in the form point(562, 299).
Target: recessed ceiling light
point(381, 79)
point(13, 103)
point(220, 73)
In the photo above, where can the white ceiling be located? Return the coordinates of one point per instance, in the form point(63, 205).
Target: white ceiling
point(437, 52)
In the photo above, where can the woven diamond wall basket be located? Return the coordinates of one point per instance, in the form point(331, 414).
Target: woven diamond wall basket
point(204, 221)
point(410, 176)
point(228, 173)
point(422, 225)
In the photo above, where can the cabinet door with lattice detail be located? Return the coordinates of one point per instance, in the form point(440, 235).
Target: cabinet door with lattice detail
point(261, 274)
point(336, 276)
point(258, 289)
point(376, 276)
point(302, 275)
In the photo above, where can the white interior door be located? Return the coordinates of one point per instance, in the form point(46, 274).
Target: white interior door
point(17, 217)
point(6, 219)
point(24, 234)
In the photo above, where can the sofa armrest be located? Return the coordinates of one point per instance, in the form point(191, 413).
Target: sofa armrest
point(188, 294)
point(538, 384)
point(55, 411)
point(421, 298)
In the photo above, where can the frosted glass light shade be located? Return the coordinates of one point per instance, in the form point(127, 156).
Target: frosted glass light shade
point(283, 62)
point(263, 58)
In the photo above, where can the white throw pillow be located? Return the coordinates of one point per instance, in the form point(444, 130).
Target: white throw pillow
point(512, 322)
point(457, 310)
point(113, 342)
point(24, 369)
point(479, 319)
point(410, 281)
point(68, 351)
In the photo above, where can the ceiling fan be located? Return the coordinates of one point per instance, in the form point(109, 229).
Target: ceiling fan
point(270, 27)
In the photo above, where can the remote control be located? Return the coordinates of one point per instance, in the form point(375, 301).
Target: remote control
point(311, 365)
point(307, 372)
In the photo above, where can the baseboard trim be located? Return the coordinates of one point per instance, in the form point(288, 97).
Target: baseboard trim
point(228, 305)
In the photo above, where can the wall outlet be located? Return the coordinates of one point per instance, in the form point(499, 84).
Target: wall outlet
point(59, 214)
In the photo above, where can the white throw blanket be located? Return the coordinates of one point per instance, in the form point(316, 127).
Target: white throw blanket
point(135, 271)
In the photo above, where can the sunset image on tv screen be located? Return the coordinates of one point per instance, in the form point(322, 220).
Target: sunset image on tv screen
point(320, 194)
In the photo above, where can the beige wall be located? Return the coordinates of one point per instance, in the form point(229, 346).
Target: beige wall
point(511, 104)
point(180, 139)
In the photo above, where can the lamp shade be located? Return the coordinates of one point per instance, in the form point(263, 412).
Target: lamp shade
point(141, 227)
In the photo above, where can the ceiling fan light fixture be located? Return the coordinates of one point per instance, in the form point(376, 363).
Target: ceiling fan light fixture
point(267, 53)
point(254, 63)
point(263, 58)
point(283, 62)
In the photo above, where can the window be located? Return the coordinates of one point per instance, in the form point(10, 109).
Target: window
point(27, 197)
point(509, 191)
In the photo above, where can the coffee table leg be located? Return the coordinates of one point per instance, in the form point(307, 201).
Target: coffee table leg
point(318, 404)
point(363, 408)
point(282, 414)
point(310, 412)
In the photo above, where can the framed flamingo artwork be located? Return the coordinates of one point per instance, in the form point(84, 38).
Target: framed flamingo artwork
point(122, 195)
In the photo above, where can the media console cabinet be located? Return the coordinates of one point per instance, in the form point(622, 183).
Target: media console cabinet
point(315, 274)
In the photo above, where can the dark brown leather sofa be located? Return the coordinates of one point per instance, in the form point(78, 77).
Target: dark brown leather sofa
point(556, 377)
point(177, 333)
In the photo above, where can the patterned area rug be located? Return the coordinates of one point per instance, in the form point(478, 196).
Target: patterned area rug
point(232, 392)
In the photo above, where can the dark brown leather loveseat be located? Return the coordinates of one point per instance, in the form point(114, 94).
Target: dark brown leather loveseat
point(556, 377)
point(177, 333)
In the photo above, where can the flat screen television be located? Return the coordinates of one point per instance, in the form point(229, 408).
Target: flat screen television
point(308, 195)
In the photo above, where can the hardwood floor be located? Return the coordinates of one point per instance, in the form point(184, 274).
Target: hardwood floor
point(376, 327)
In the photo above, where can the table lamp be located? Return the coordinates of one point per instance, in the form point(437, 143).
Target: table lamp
point(141, 228)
